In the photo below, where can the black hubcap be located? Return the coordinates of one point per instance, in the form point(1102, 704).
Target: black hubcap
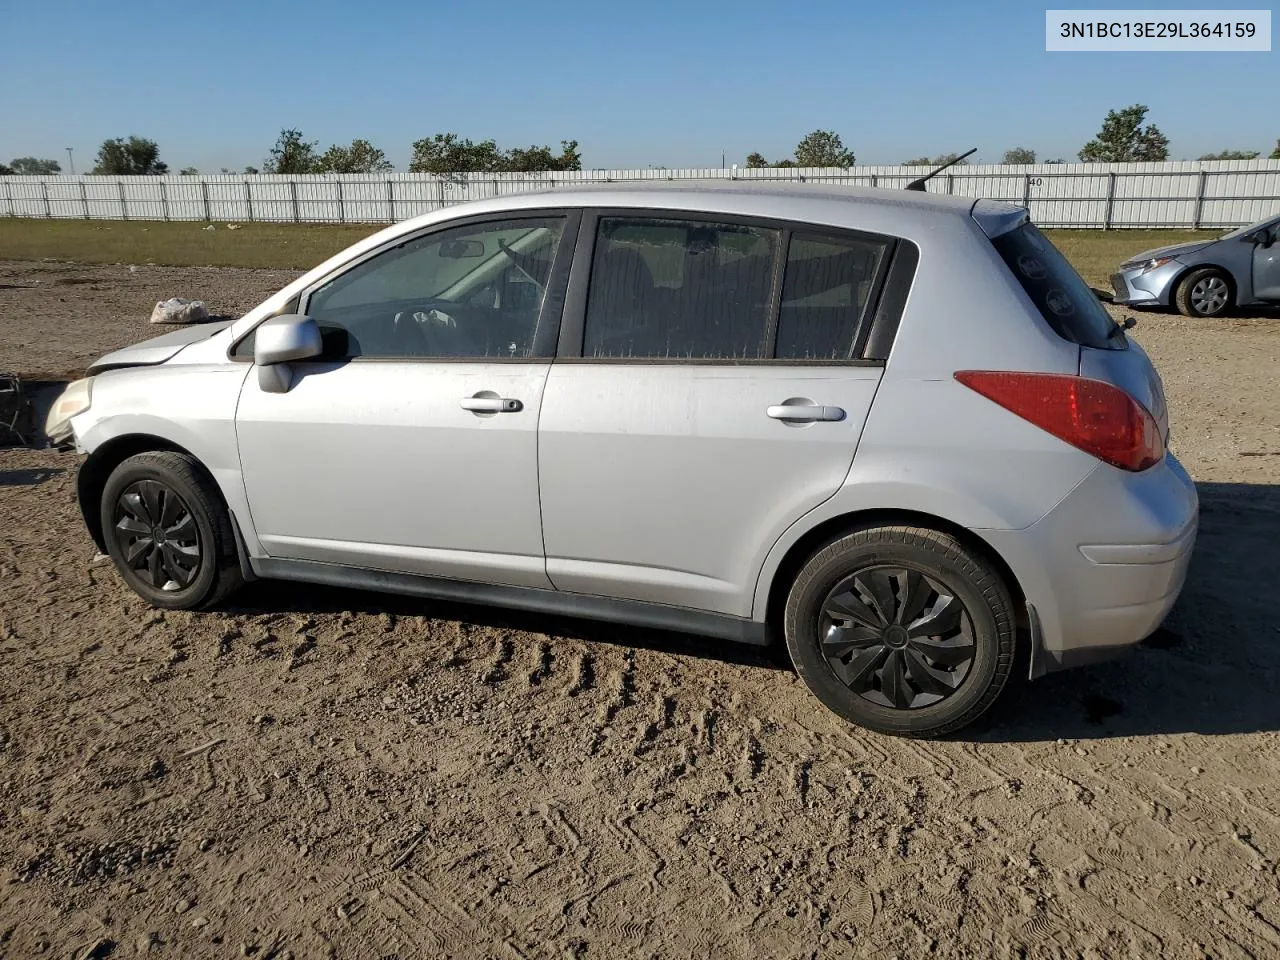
point(896, 637)
point(157, 535)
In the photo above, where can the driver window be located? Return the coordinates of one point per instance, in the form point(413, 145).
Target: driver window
point(469, 292)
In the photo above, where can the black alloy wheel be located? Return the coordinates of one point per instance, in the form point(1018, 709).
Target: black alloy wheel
point(157, 535)
point(896, 637)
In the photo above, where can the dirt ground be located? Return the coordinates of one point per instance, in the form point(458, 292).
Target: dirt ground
point(318, 773)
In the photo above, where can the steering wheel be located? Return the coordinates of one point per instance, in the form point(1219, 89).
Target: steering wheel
point(441, 328)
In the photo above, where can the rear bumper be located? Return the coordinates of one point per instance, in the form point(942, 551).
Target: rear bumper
point(1103, 569)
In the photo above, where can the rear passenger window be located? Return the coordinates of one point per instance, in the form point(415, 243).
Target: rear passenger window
point(825, 290)
point(679, 289)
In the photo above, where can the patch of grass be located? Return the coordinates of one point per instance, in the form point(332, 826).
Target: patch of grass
point(264, 245)
point(1095, 253)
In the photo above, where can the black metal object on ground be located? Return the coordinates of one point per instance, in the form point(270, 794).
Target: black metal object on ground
point(15, 412)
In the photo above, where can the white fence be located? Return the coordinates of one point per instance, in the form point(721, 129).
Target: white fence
point(1194, 194)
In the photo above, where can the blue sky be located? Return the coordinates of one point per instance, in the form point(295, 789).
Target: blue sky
point(637, 84)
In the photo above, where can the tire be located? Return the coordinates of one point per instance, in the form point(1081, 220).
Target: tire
point(1204, 293)
point(933, 690)
point(169, 533)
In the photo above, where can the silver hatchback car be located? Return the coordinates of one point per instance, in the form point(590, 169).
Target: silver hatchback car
point(894, 430)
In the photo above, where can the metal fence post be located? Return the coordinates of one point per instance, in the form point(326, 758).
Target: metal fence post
point(875, 180)
point(342, 208)
point(248, 199)
point(204, 193)
point(124, 202)
point(1200, 185)
point(164, 199)
point(391, 200)
point(84, 199)
point(8, 198)
point(1026, 191)
point(1111, 199)
point(440, 190)
point(48, 207)
point(951, 182)
point(293, 192)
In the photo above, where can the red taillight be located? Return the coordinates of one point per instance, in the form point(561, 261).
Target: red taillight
point(1095, 416)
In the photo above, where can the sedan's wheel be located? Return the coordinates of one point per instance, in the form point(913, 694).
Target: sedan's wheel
point(1204, 293)
point(168, 531)
point(901, 629)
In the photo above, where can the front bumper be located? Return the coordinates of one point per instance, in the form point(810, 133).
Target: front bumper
point(1150, 288)
point(1103, 569)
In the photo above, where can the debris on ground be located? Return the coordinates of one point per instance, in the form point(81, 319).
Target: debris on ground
point(179, 310)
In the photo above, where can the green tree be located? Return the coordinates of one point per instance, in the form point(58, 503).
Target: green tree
point(360, 157)
point(823, 148)
point(188, 172)
point(532, 159)
point(1019, 155)
point(447, 153)
point(1232, 155)
point(934, 161)
point(784, 163)
point(1275, 154)
point(251, 170)
point(31, 166)
point(5, 170)
point(755, 161)
point(1123, 138)
point(291, 154)
point(135, 156)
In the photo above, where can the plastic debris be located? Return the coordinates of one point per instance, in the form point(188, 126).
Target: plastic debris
point(179, 310)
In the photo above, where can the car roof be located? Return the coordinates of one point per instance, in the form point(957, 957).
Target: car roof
point(868, 208)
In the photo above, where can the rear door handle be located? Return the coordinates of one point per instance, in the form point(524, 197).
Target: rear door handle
point(491, 405)
point(804, 412)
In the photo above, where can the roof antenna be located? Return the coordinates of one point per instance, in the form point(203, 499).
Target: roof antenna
point(918, 183)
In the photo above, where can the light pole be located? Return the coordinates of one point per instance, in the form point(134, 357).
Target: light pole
point(71, 162)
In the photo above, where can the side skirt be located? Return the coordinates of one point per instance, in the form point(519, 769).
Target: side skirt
point(634, 612)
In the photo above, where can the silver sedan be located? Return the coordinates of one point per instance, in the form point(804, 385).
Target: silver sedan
point(1206, 278)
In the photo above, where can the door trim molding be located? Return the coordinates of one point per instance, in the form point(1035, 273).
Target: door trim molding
point(634, 612)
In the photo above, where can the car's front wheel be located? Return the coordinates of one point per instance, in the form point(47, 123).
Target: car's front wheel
point(168, 531)
point(901, 629)
point(1204, 293)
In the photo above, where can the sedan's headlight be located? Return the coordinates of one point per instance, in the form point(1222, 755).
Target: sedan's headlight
point(1146, 266)
point(75, 399)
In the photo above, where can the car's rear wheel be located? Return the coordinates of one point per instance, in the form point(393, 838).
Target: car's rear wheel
point(1204, 293)
point(168, 532)
point(901, 629)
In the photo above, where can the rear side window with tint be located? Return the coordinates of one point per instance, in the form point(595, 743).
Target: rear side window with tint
point(1063, 299)
point(825, 290)
point(679, 289)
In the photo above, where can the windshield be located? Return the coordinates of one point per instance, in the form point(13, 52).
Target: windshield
point(1065, 301)
point(1251, 228)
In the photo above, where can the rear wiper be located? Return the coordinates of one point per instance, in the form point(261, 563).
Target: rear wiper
point(1118, 329)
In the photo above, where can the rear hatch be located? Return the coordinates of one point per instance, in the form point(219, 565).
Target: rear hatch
point(1072, 309)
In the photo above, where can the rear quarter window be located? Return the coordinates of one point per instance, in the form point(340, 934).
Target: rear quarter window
point(1065, 301)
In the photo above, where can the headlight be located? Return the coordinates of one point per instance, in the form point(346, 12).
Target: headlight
point(1146, 266)
point(73, 400)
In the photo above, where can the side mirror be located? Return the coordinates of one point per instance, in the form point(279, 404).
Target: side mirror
point(279, 341)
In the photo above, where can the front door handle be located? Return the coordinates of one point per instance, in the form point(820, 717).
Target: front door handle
point(491, 405)
point(804, 412)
